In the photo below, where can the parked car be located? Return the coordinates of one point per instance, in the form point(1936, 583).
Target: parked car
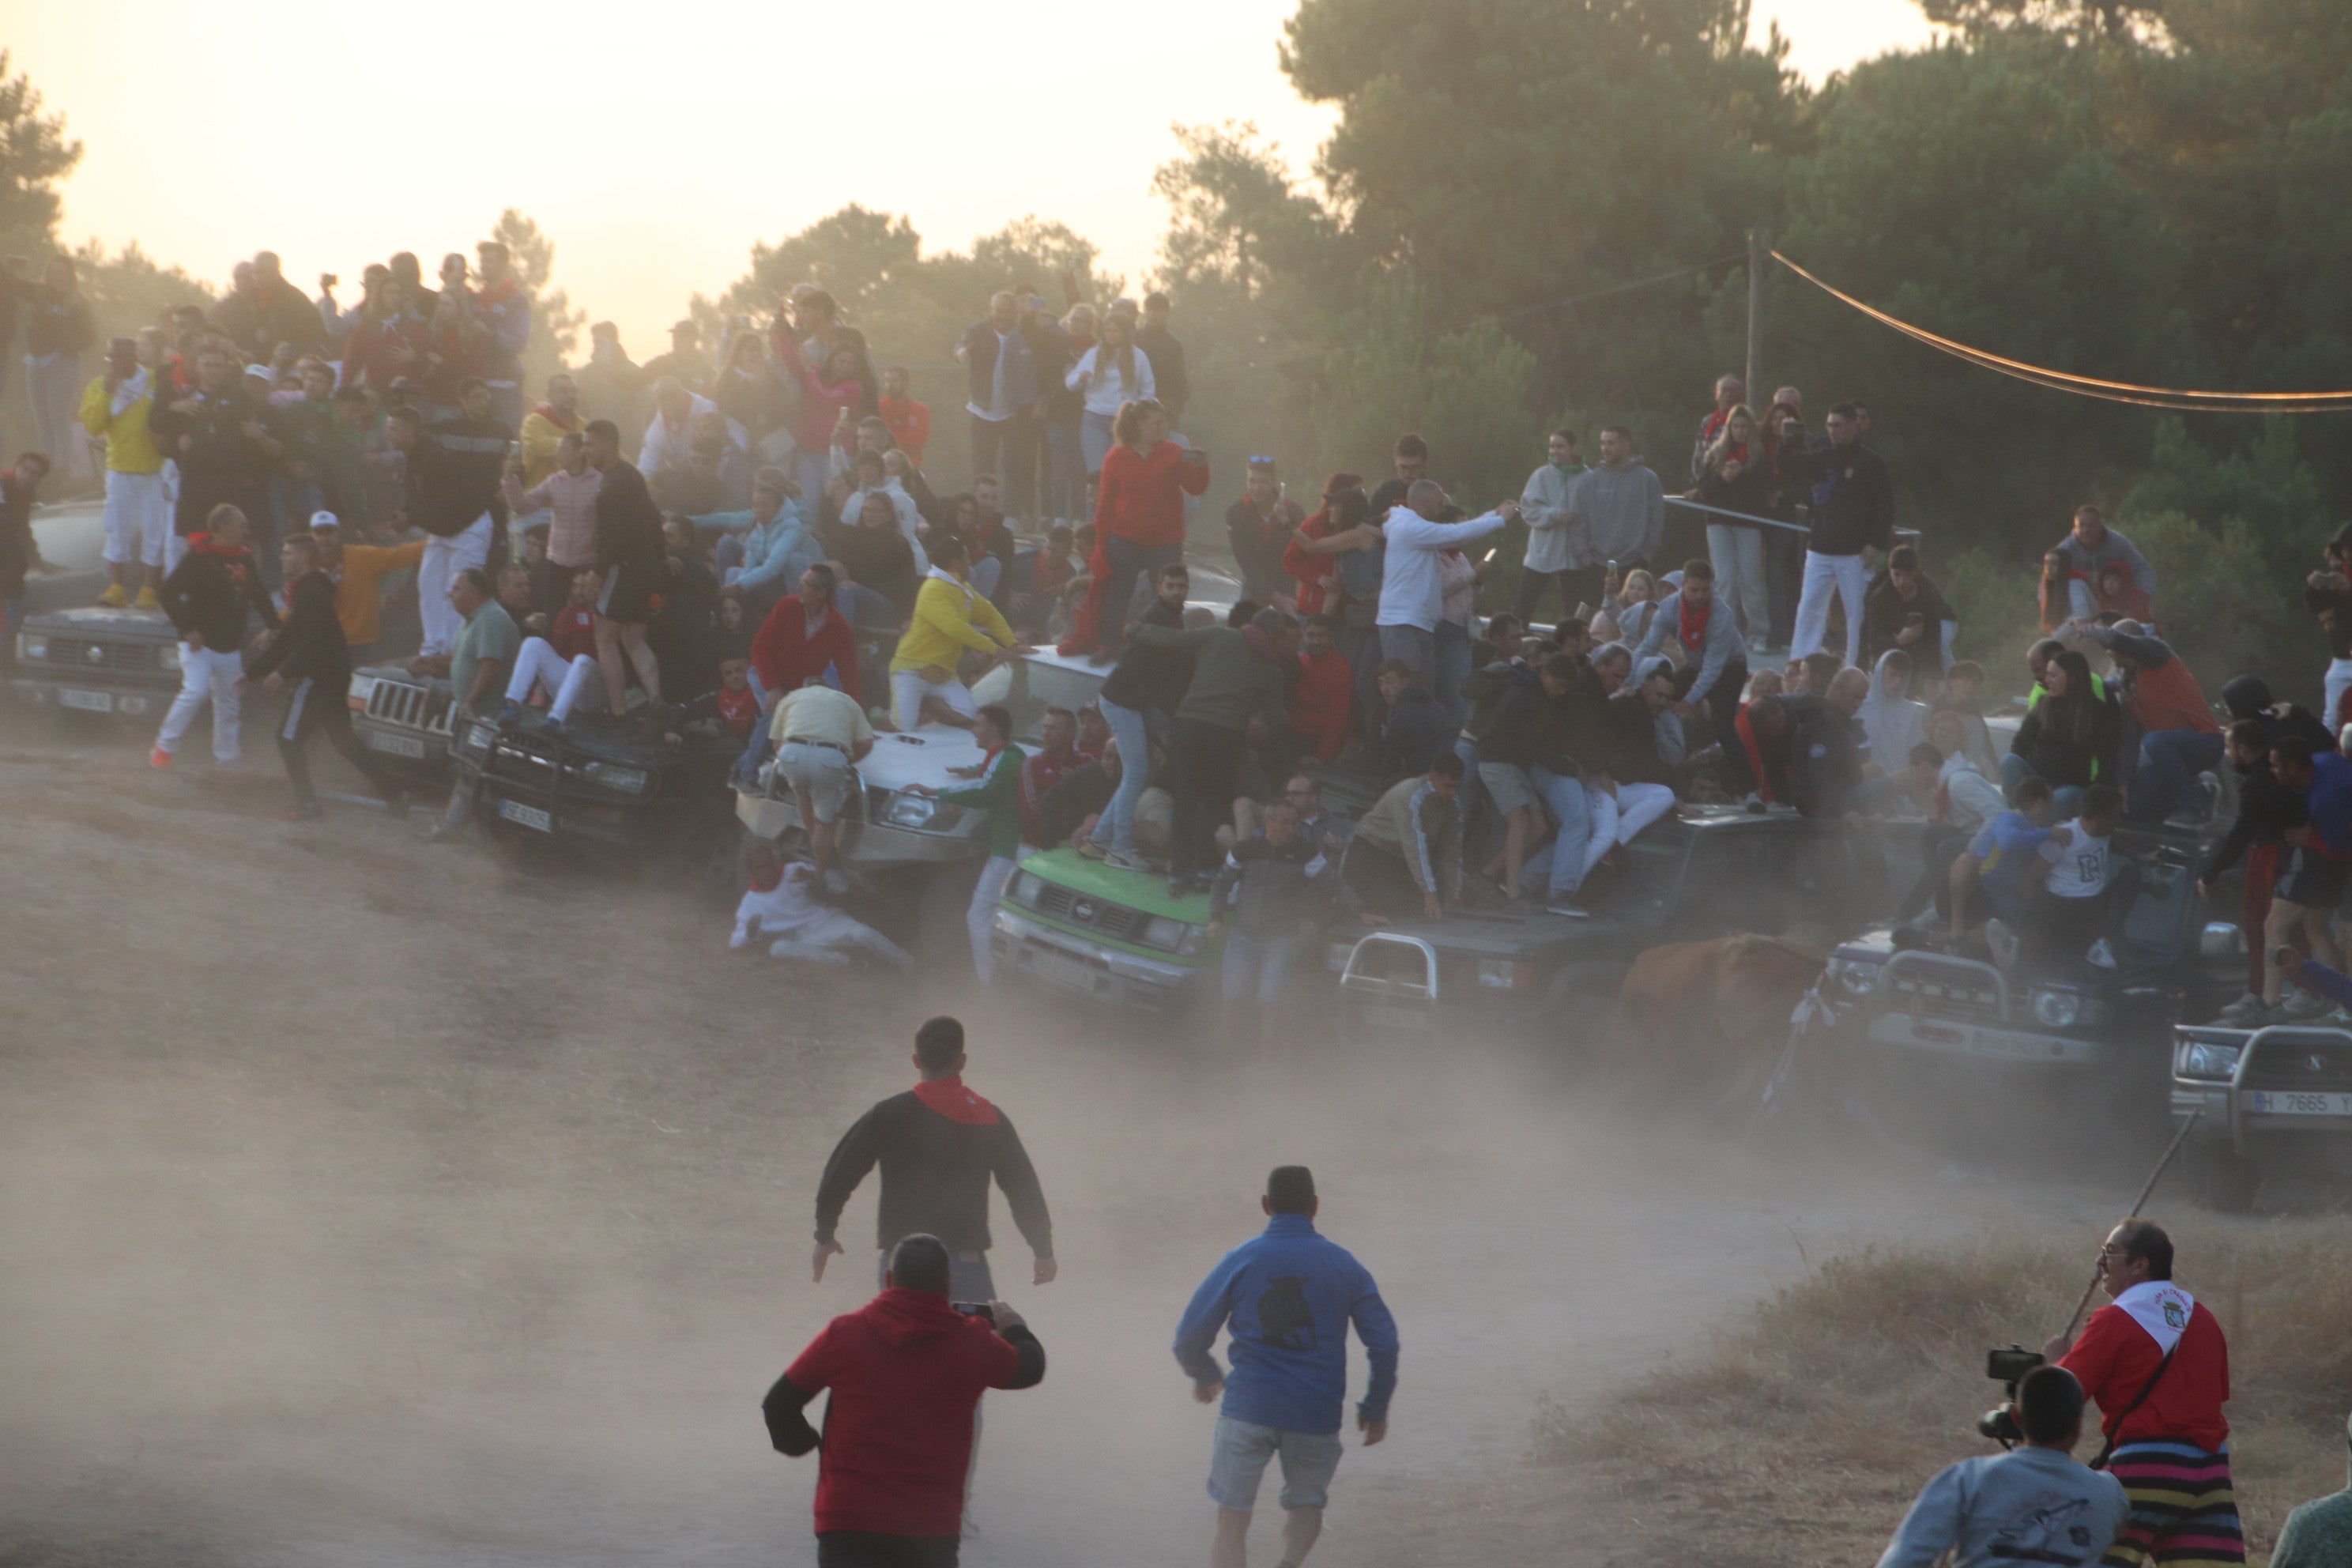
point(1090, 931)
point(1957, 1032)
point(403, 717)
point(98, 660)
point(2274, 1102)
point(622, 786)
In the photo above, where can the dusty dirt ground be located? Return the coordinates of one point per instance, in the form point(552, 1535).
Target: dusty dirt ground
point(373, 1203)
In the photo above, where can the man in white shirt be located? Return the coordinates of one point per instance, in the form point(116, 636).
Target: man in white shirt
point(1413, 594)
point(666, 438)
point(2072, 910)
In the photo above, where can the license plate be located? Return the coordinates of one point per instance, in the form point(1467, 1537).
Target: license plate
point(528, 816)
point(398, 745)
point(2294, 1102)
point(1388, 1016)
point(1067, 973)
point(88, 701)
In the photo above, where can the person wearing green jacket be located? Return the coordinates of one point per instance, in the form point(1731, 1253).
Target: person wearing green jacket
point(1238, 671)
point(997, 793)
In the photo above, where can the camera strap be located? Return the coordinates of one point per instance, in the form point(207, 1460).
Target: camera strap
point(2108, 1449)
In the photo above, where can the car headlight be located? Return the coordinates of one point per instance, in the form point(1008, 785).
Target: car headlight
point(1854, 976)
point(2206, 1059)
point(1163, 932)
point(1025, 889)
point(613, 777)
point(168, 656)
point(480, 735)
point(2058, 1009)
point(1195, 938)
point(1499, 974)
point(909, 810)
point(363, 687)
point(32, 644)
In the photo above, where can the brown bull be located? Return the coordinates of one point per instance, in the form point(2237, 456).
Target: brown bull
point(1701, 1024)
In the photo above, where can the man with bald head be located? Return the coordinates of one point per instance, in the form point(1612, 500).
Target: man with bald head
point(1412, 595)
point(1004, 388)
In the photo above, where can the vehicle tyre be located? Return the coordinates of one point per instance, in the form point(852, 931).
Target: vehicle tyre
point(2220, 1178)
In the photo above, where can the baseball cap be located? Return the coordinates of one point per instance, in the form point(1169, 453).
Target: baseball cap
point(320, 519)
point(264, 372)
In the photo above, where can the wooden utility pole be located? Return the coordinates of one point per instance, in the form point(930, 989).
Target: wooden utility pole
point(1760, 257)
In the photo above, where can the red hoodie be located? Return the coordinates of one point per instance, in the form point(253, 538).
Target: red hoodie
point(907, 1371)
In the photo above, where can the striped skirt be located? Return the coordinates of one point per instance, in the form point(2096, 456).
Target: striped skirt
point(2183, 1511)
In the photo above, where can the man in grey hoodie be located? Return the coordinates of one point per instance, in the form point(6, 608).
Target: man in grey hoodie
point(2033, 1504)
point(1617, 511)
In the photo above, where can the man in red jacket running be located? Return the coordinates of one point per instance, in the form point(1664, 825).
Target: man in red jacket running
point(2156, 1363)
point(906, 1371)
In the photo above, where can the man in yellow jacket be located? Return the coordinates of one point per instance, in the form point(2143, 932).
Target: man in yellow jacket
point(114, 409)
point(358, 572)
point(950, 616)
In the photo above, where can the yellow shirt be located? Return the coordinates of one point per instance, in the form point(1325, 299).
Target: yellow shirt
point(129, 445)
point(540, 437)
point(821, 713)
point(950, 616)
point(359, 599)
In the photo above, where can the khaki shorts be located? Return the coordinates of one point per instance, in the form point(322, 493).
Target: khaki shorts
point(821, 773)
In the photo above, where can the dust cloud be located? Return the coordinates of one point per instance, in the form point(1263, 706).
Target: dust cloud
point(383, 1205)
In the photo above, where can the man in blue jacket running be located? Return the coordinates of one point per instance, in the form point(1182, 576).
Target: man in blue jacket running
point(1289, 1296)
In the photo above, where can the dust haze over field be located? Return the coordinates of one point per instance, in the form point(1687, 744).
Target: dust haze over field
point(379, 1204)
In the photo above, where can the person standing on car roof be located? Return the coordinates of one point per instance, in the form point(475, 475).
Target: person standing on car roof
point(939, 1146)
point(311, 657)
point(1146, 686)
point(208, 595)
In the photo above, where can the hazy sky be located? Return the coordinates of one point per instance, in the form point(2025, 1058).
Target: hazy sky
point(653, 142)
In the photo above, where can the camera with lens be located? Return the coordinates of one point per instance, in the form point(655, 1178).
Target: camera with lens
point(2006, 1367)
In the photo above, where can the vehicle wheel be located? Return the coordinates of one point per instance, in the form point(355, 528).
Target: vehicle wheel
point(2218, 1178)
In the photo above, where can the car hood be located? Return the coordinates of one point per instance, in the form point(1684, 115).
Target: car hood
point(97, 621)
point(1142, 890)
point(920, 756)
point(1504, 934)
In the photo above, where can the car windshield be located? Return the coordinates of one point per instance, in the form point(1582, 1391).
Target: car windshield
point(1028, 686)
point(2155, 923)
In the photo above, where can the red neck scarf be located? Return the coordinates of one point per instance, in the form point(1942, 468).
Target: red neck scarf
point(948, 1097)
point(1693, 636)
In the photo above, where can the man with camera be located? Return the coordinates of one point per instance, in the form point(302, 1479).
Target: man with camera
point(2156, 1362)
point(2033, 1504)
point(906, 1371)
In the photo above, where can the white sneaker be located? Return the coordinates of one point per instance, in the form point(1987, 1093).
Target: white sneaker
point(2101, 956)
point(2246, 1006)
point(2003, 941)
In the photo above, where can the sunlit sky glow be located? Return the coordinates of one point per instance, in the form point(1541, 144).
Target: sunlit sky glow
point(656, 142)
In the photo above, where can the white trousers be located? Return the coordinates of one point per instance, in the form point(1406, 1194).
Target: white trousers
point(1825, 574)
point(982, 915)
point(1737, 554)
point(1615, 820)
point(207, 674)
point(832, 938)
point(443, 558)
point(569, 681)
point(907, 690)
point(2339, 681)
point(138, 518)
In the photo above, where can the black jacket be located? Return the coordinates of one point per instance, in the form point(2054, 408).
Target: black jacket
point(1149, 678)
point(1488, 686)
point(1631, 732)
point(1533, 729)
point(628, 524)
point(2266, 809)
point(1824, 756)
point(1853, 498)
point(1169, 382)
point(1885, 612)
point(440, 490)
point(209, 593)
point(310, 645)
point(1418, 727)
point(1272, 891)
point(2069, 741)
point(935, 1175)
point(219, 462)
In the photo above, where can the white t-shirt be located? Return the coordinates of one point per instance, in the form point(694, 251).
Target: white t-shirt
point(2078, 868)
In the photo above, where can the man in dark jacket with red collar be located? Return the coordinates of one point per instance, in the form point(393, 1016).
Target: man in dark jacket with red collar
point(938, 1144)
point(907, 1371)
point(207, 596)
point(309, 656)
point(215, 435)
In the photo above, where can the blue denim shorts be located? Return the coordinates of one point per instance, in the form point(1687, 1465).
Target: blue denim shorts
point(1243, 1449)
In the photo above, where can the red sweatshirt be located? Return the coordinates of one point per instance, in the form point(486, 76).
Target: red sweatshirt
point(1326, 688)
point(572, 631)
point(785, 659)
point(1142, 499)
point(906, 1371)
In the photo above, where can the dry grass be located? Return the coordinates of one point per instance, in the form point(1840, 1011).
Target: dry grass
point(1801, 1438)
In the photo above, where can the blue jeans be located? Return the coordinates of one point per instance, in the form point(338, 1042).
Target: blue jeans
point(1560, 864)
point(1116, 829)
point(1257, 967)
point(2165, 781)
